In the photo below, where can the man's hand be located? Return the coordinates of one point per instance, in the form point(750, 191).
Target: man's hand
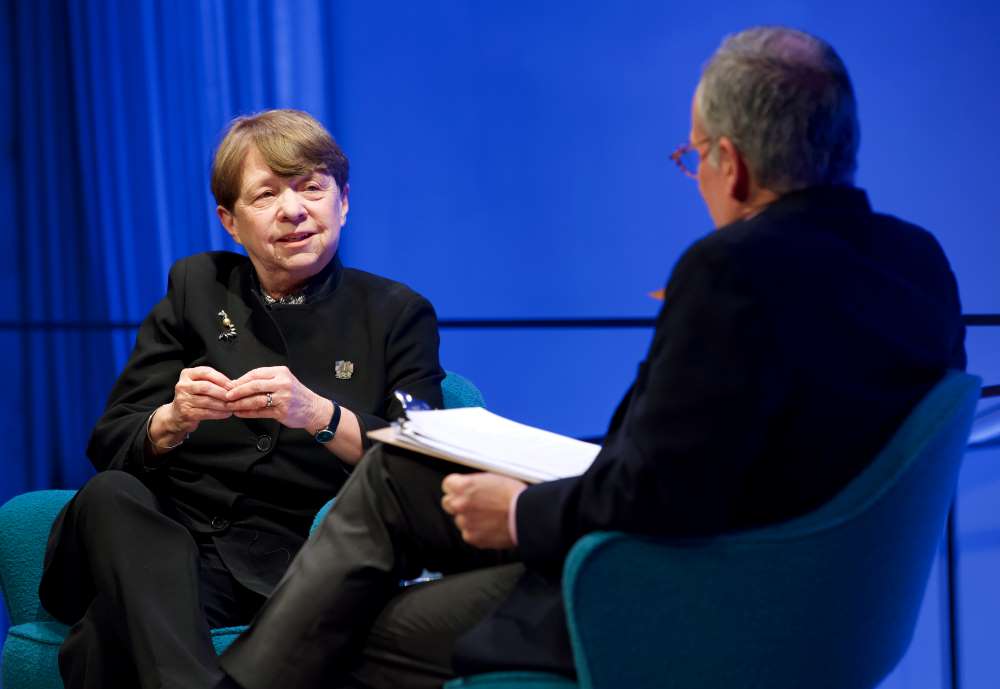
point(275, 393)
point(480, 503)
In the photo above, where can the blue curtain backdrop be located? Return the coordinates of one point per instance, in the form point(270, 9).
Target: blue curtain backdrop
point(116, 108)
point(109, 115)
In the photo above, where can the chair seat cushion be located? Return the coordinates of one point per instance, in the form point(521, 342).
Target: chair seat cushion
point(223, 636)
point(45, 633)
point(512, 680)
point(31, 653)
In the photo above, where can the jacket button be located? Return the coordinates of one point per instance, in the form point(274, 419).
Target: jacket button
point(264, 443)
point(219, 523)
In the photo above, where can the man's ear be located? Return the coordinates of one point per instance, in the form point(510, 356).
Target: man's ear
point(228, 221)
point(734, 169)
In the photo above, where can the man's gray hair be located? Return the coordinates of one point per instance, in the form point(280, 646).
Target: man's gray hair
point(785, 100)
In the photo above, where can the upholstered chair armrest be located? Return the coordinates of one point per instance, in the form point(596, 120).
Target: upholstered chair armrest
point(25, 522)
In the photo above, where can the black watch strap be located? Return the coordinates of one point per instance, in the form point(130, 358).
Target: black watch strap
point(325, 435)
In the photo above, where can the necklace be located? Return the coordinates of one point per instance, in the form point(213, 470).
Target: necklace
point(294, 299)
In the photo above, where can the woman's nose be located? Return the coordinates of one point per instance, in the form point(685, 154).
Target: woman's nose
point(290, 207)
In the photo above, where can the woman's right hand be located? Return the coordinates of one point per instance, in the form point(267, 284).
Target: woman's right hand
point(199, 395)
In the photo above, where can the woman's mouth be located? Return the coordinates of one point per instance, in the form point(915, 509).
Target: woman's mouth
point(295, 237)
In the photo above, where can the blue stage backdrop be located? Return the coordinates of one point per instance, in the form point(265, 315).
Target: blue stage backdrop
point(509, 161)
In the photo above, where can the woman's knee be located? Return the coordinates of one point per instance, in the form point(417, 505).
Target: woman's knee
point(111, 492)
point(111, 482)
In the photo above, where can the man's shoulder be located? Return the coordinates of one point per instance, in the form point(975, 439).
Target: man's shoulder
point(722, 246)
point(820, 230)
point(905, 230)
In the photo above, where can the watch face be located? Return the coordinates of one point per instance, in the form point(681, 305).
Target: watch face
point(324, 436)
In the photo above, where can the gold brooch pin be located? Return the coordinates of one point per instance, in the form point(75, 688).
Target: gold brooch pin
point(343, 370)
point(228, 329)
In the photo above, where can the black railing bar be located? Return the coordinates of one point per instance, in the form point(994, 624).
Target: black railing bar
point(46, 326)
point(952, 576)
point(981, 319)
point(543, 323)
point(444, 323)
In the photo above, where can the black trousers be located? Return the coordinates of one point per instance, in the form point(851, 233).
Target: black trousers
point(338, 617)
point(140, 591)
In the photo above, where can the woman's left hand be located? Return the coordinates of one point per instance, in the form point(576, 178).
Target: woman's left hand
point(273, 392)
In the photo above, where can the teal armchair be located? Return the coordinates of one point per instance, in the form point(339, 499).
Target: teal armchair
point(30, 651)
point(828, 600)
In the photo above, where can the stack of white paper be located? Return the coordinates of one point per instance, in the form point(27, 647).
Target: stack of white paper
point(481, 439)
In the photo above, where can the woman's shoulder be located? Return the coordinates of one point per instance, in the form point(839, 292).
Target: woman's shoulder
point(211, 262)
point(380, 286)
point(211, 266)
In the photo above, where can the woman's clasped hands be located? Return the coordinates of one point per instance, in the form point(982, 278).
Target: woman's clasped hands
point(203, 394)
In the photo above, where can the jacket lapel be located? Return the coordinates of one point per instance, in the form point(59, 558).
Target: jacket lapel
point(258, 342)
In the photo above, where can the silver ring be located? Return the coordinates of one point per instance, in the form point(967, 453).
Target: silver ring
point(270, 401)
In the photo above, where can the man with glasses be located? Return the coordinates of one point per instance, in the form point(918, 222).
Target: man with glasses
point(805, 313)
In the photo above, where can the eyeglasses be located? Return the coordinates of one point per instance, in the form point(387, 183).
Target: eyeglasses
point(687, 157)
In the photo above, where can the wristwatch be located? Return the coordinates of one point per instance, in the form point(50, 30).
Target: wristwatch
point(325, 435)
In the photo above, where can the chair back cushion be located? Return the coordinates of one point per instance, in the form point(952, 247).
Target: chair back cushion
point(826, 600)
point(458, 391)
